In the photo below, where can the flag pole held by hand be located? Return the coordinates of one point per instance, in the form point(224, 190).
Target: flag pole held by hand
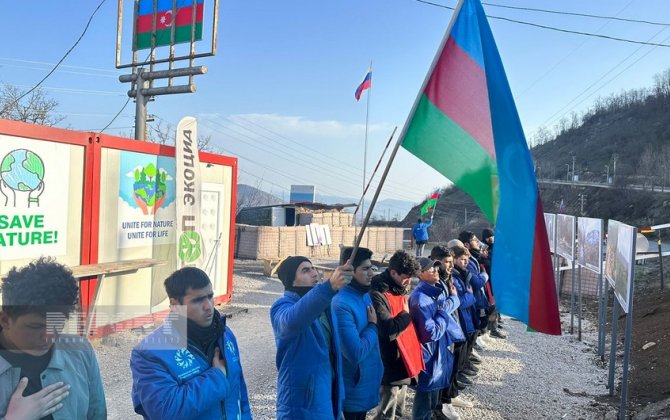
point(357, 242)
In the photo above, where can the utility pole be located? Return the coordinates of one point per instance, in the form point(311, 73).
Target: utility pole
point(142, 92)
point(573, 166)
point(615, 156)
point(567, 175)
point(582, 199)
point(607, 176)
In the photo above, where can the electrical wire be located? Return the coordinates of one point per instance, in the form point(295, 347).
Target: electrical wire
point(553, 28)
point(559, 12)
point(326, 159)
point(343, 173)
point(115, 116)
point(277, 171)
point(59, 61)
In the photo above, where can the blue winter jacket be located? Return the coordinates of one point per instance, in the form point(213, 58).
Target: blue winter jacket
point(362, 367)
point(181, 383)
point(466, 311)
point(309, 385)
point(420, 231)
point(478, 281)
point(430, 309)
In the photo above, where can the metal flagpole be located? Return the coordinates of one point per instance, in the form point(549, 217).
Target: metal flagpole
point(365, 150)
point(357, 242)
point(388, 143)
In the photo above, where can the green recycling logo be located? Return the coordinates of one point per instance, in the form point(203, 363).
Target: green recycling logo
point(189, 246)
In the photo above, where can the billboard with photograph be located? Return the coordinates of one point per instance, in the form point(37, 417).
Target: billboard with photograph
point(619, 260)
point(550, 224)
point(590, 243)
point(565, 236)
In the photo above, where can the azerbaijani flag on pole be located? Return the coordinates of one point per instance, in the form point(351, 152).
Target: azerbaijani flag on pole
point(430, 203)
point(365, 84)
point(181, 19)
point(465, 125)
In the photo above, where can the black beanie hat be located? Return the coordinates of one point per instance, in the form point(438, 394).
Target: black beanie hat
point(486, 233)
point(288, 269)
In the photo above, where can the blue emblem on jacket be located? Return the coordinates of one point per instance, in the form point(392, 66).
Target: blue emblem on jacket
point(181, 383)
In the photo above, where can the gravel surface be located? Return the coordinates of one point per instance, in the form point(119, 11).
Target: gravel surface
point(527, 376)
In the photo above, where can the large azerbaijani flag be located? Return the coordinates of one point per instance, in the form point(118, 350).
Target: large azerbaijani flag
point(465, 125)
point(181, 18)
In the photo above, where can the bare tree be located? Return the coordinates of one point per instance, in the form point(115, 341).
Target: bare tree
point(647, 165)
point(35, 108)
point(662, 83)
point(163, 133)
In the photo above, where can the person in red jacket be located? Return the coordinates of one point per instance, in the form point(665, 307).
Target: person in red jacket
point(398, 342)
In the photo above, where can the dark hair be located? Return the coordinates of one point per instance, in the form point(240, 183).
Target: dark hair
point(440, 251)
point(404, 263)
point(42, 286)
point(487, 233)
point(460, 251)
point(419, 220)
point(465, 236)
point(361, 255)
point(178, 283)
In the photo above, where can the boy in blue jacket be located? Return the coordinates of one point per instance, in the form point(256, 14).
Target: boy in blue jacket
point(361, 362)
point(420, 235)
point(201, 380)
point(430, 310)
point(309, 361)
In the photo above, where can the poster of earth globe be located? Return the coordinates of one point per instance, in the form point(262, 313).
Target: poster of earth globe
point(34, 177)
point(146, 212)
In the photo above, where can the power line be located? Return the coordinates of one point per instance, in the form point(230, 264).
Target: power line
point(565, 57)
point(552, 117)
point(59, 61)
point(558, 12)
point(116, 116)
point(328, 159)
point(283, 173)
point(82, 91)
point(45, 63)
point(343, 173)
point(553, 28)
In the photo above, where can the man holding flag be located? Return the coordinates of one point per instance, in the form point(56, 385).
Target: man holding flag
point(420, 235)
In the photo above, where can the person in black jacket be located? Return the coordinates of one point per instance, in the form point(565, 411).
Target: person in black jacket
point(389, 298)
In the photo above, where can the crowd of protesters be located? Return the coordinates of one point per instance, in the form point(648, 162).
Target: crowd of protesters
point(344, 347)
point(355, 343)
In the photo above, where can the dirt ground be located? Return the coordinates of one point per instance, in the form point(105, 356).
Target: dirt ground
point(649, 376)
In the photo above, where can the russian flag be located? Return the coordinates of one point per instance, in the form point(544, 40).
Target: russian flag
point(465, 125)
point(365, 84)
